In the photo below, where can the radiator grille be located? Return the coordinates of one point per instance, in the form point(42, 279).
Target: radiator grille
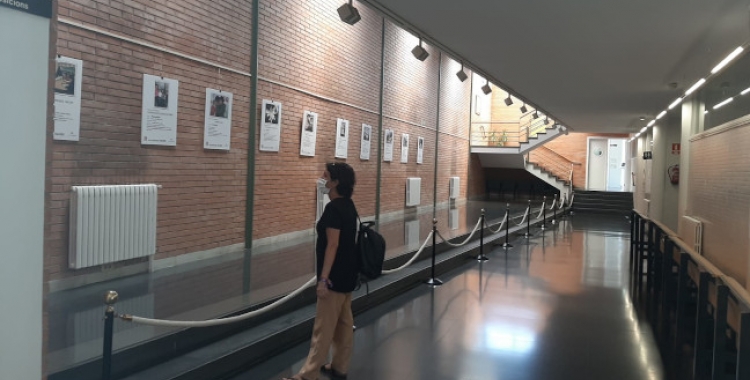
point(111, 223)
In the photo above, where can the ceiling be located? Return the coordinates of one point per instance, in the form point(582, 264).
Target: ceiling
point(594, 65)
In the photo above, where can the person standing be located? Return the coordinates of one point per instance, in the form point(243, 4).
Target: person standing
point(337, 277)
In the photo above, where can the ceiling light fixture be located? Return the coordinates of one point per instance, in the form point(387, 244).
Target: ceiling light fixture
point(745, 91)
point(644, 129)
point(349, 14)
point(705, 112)
point(675, 103)
point(486, 88)
point(661, 115)
point(508, 100)
point(419, 52)
point(722, 104)
point(524, 109)
point(726, 60)
point(536, 114)
point(461, 74)
point(695, 86)
point(650, 123)
point(642, 118)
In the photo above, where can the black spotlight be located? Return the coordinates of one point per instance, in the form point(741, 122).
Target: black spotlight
point(461, 74)
point(349, 14)
point(419, 52)
point(524, 109)
point(486, 88)
point(536, 115)
point(546, 120)
point(508, 100)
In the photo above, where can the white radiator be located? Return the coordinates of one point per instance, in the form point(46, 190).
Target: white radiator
point(413, 191)
point(411, 234)
point(693, 233)
point(111, 223)
point(455, 182)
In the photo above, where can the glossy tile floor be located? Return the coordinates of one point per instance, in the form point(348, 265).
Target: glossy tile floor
point(556, 307)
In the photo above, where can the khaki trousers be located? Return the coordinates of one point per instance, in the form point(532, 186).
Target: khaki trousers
point(334, 325)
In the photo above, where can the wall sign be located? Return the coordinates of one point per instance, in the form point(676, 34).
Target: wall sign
point(676, 149)
point(35, 7)
point(647, 155)
point(68, 73)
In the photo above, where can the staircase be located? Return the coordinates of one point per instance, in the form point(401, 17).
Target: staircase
point(552, 168)
point(620, 203)
point(504, 137)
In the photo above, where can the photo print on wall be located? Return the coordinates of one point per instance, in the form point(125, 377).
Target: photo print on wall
point(68, 74)
point(308, 136)
point(159, 112)
point(218, 119)
point(270, 126)
point(388, 145)
point(404, 148)
point(364, 152)
point(342, 138)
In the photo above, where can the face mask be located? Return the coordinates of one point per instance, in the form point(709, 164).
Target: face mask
point(322, 186)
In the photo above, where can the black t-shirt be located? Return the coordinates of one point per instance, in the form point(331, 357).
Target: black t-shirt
point(339, 214)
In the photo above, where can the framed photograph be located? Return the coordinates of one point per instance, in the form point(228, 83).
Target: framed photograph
point(342, 138)
point(420, 149)
point(388, 145)
point(404, 148)
point(159, 111)
point(270, 126)
point(309, 134)
point(218, 119)
point(68, 73)
point(364, 151)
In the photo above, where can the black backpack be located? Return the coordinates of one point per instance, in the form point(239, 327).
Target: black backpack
point(370, 252)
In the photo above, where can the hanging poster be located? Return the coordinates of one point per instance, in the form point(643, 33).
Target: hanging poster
point(68, 75)
point(159, 113)
point(342, 137)
point(218, 125)
point(309, 134)
point(270, 126)
point(364, 151)
point(420, 149)
point(388, 145)
point(404, 148)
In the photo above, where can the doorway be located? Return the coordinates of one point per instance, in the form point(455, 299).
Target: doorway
point(606, 167)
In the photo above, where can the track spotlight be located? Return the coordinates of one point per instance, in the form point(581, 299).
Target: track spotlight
point(419, 52)
point(546, 120)
point(536, 114)
point(508, 100)
point(524, 109)
point(461, 74)
point(486, 88)
point(349, 14)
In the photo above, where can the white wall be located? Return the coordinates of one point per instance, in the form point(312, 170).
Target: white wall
point(23, 105)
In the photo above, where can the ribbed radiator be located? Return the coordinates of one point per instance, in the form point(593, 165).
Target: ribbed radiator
point(111, 223)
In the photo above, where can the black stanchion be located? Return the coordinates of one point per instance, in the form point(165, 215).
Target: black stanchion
point(528, 221)
point(554, 210)
point(570, 206)
point(109, 320)
point(544, 213)
point(481, 256)
point(507, 245)
point(433, 281)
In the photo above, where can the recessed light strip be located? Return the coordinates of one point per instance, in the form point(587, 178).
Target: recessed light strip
point(695, 86)
point(728, 59)
point(661, 115)
point(722, 104)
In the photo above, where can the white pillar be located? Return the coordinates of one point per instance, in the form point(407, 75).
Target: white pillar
point(24, 47)
point(692, 124)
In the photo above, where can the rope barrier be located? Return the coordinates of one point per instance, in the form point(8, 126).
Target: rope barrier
point(476, 228)
point(525, 214)
point(221, 321)
point(505, 219)
point(562, 203)
point(541, 210)
point(413, 258)
point(554, 203)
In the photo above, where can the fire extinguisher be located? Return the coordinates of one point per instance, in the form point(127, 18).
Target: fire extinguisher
point(673, 172)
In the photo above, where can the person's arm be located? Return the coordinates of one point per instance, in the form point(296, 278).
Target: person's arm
point(332, 234)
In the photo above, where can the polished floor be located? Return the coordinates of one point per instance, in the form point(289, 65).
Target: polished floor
point(555, 306)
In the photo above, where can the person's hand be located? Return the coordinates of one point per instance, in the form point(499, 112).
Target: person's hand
point(322, 290)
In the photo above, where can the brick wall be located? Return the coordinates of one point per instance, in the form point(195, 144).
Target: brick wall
point(573, 147)
point(308, 60)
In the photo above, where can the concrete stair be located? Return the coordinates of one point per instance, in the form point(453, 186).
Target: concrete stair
point(603, 202)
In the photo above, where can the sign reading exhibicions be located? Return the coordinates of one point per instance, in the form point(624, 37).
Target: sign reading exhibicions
point(35, 7)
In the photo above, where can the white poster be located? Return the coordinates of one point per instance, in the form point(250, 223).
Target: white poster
point(404, 148)
point(270, 126)
point(388, 145)
point(420, 149)
point(364, 151)
point(218, 125)
point(68, 75)
point(159, 113)
point(342, 137)
point(309, 134)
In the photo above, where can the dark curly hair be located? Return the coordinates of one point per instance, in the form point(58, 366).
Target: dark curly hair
point(343, 173)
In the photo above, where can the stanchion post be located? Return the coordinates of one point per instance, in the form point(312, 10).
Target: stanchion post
point(109, 320)
point(481, 256)
point(554, 210)
point(528, 221)
point(433, 281)
point(507, 245)
point(544, 212)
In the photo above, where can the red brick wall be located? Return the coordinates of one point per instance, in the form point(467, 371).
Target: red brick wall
point(574, 147)
point(313, 57)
